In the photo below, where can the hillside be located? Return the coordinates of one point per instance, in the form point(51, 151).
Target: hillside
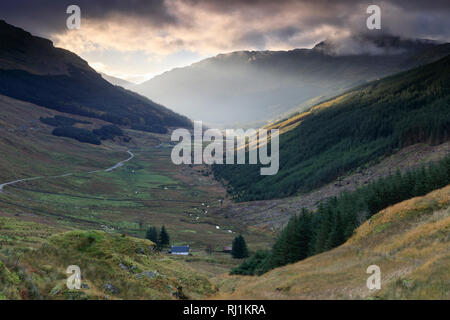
point(33, 70)
point(409, 241)
point(29, 149)
point(75, 190)
point(252, 87)
point(351, 130)
point(274, 214)
point(113, 266)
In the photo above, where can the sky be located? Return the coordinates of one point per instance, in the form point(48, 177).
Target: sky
point(138, 39)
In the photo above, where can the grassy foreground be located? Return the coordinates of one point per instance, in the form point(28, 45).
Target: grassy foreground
point(409, 241)
point(113, 266)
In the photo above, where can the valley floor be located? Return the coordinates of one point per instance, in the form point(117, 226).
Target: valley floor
point(75, 192)
point(99, 216)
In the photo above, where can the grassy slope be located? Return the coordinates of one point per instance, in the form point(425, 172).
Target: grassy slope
point(105, 260)
point(409, 241)
point(8, 283)
point(29, 149)
point(149, 190)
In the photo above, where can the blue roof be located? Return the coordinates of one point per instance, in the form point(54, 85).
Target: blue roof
point(180, 249)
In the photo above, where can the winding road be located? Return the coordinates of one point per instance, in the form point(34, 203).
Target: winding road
point(118, 165)
point(121, 163)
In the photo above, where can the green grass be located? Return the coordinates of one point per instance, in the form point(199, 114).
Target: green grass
point(93, 201)
point(105, 260)
point(147, 191)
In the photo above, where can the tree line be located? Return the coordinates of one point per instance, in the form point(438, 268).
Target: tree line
point(83, 135)
point(161, 238)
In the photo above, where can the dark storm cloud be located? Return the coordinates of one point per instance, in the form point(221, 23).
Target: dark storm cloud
point(404, 17)
point(432, 15)
point(49, 16)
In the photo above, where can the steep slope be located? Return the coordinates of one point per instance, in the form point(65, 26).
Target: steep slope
point(253, 86)
point(351, 130)
point(32, 70)
point(275, 213)
point(28, 148)
point(8, 283)
point(409, 242)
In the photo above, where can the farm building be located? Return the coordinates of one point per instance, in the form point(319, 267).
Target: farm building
point(181, 250)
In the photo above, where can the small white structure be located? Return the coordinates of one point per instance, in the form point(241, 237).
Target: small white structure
point(180, 250)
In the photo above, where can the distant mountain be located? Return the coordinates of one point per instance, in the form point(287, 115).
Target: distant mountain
point(251, 86)
point(33, 70)
point(117, 81)
point(351, 130)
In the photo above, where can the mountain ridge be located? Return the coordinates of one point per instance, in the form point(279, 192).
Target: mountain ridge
point(244, 87)
point(33, 70)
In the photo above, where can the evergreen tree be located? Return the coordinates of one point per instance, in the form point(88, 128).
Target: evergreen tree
point(325, 224)
point(164, 239)
point(152, 235)
point(336, 237)
point(239, 249)
point(298, 238)
point(279, 249)
point(256, 264)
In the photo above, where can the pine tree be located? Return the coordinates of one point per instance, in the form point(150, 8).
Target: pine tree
point(303, 235)
point(279, 249)
point(239, 249)
point(297, 240)
point(325, 224)
point(337, 232)
point(152, 235)
point(164, 239)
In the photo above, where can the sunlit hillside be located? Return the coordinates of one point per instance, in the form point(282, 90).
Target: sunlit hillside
point(409, 241)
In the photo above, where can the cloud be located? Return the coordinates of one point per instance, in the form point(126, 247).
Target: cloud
point(49, 16)
point(203, 27)
point(207, 27)
point(161, 26)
